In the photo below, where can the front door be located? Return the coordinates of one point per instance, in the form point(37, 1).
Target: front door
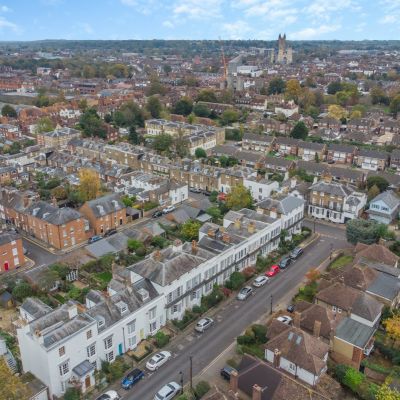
point(120, 351)
point(87, 382)
point(6, 266)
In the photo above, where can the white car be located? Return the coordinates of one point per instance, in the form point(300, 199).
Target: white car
point(260, 281)
point(244, 293)
point(168, 209)
point(110, 395)
point(157, 360)
point(203, 324)
point(285, 319)
point(168, 391)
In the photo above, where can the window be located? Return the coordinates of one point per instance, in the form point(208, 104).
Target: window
point(89, 334)
point(110, 356)
point(64, 368)
point(91, 350)
point(61, 351)
point(132, 341)
point(334, 308)
point(152, 313)
point(153, 326)
point(131, 327)
point(108, 342)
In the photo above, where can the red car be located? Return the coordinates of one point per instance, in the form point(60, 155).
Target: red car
point(221, 196)
point(273, 271)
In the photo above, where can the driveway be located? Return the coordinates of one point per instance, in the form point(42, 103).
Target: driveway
point(232, 319)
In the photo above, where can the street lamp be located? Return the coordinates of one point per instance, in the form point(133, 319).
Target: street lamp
point(270, 313)
point(181, 379)
point(330, 254)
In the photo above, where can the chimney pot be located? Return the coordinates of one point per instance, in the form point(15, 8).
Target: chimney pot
point(317, 328)
point(233, 381)
point(257, 392)
point(238, 223)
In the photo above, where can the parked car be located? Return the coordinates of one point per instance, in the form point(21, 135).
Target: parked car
point(110, 232)
point(156, 214)
point(168, 391)
point(244, 293)
point(290, 308)
point(195, 190)
point(157, 360)
point(131, 378)
point(109, 395)
point(285, 319)
point(260, 281)
point(94, 238)
point(331, 161)
point(168, 209)
point(296, 253)
point(272, 271)
point(203, 324)
point(206, 193)
point(284, 262)
point(226, 372)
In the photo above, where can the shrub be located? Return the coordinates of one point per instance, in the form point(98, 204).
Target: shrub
point(22, 291)
point(235, 281)
point(245, 340)
point(227, 292)
point(72, 394)
point(201, 389)
point(248, 272)
point(197, 309)
point(340, 371)
point(159, 241)
point(134, 244)
point(353, 379)
point(141, 251)
point(161, 339)
point(213, 298)
point(260, 333)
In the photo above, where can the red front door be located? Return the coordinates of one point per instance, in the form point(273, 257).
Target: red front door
point(6, 266)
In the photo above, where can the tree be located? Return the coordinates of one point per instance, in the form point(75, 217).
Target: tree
point(201, 110)
point(59, 192)
point(89, 184)
point(356, 114)
point(364, 231)
point(184, 106)
point(154, 107)
point(276, 86)
point(48, 279)
point(337, 112)
point(207, 95)
point(334, 87)
point(8, 111)
point(293, 90)
point(378, 181)
point(378, 96)
point(190, 230)
point(92, 125)
point(44, 124)
point(42, 100)
point(133, 137)
point(312, 275)
point(134, 244)
point(299, 131)
point(12, 388)
point(373, 192)
point(353, 379)
point(200, 153)
point(392, 326)
point(229, 116)
point(214, 212)
point(162, 143)
point(395, 105)
point(181, 145)
point(387, 393)
point(129, 115)
point(235, 281)
point(21, 291)
point(167, 69)
point(155, 87)
point(239, 198)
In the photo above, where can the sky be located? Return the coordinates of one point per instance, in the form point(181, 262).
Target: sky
point(199, 19)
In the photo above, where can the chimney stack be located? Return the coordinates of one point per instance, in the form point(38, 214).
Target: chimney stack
point(317, 328)
point(251, 227)
point(211, 233)
point(238, 223)
point(277, 358)
point(225, 238)
point(296, 321)
point(257, 392)
point(157, 255)
point(194, 247)
point(233, 381)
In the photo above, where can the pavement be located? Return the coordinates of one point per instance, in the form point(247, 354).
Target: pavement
point(233, 317)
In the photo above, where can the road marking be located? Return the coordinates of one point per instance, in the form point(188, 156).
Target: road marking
point(216, 359)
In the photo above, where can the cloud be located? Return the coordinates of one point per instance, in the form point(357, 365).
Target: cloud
point(168, 24)
point(197, 9)
point(5, 9)
point(5, 24)
point(312, 33)
point(325, 8)
point(143, 6)
point(236, 30)
point(391, 10)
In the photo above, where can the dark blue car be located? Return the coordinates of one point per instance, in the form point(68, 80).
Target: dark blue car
point(131, 378)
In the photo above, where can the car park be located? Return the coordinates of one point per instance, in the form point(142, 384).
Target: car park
point(284, 263)
point(285, 319)
point(157, 360)
point(296, 253)
point(110, 232)
point(157, 214)
point(132, 378)
point(109, 395)
point(260, 281)
point(272, 271)
point(168, 209)
point(168, 391)
point(244, 293)
point(204, 324)
point(226, 372)
point(94, 238)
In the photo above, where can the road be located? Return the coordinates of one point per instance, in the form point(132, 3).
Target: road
point(233, 319)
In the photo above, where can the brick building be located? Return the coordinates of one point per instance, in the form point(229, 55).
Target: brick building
point(11, 251)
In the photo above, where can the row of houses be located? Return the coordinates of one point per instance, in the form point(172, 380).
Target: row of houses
point(72, 340)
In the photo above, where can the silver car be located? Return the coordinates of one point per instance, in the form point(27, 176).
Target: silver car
point(244, 293)
point(203, 324)
point(168, 391)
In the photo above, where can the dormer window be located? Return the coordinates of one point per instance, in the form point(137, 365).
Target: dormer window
point(122, 307)
point(100, 321)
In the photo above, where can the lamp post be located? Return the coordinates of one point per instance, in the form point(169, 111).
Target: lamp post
point(191, 374)
point(181, 379)
point(330, 254)
point(270, 312)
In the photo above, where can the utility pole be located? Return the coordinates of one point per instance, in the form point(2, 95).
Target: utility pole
point(314, 224)
point(330, 254)
point(191, 373)
point(270, 313)
point(181, 374)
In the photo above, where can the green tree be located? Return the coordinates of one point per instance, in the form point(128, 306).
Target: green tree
point(378, 96)
point(133, 137)
point(207, 95)
point(364, 231)
point(155, 87)
point(201, 110)
point(8, 111)
point(183, 107)
point(92, 125)
point(395, 105)
point(134, 244)
point(154, 107)
point(181, 145)
point(200, 153)
point(235, 281)
point(276, 86)
point(190, 230)
point(162, 143)
point(299, 131)
point(44, 124)
point(42, 100)
point(353, 379)
point(22, 290)
point(167, 69)
point(334, 87)
point(239, 198)
point(378, 181)
point(129, 115)
point(373, 192)
point(229, 116)
point(214, 212)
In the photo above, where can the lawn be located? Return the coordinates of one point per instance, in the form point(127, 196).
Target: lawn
point(254, 350)
point(105, 276)
point(340, 262)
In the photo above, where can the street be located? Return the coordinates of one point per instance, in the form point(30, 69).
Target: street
point(233, 319)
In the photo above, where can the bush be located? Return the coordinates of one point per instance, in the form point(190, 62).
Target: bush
point(260, 333)
point(248, 272)
point(114, 370)
point(22, 291)
point(201, 389)
point(72, 394)
point(159, 241)
point(235, 281)
point(141, 251)
point(245, 340)
point(161, 339)
point(213, 298)
point(134, 244)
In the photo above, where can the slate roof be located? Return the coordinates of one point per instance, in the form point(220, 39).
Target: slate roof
point(284, 205)
point(354, 332)
point(343, 148)
point(389, 198)
point(53, 215)
point(83, 368)
point(385, 286)
point(332, 188)
point(373, 154)
point(35, 307)
point(106, 204)
point(7, 237)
